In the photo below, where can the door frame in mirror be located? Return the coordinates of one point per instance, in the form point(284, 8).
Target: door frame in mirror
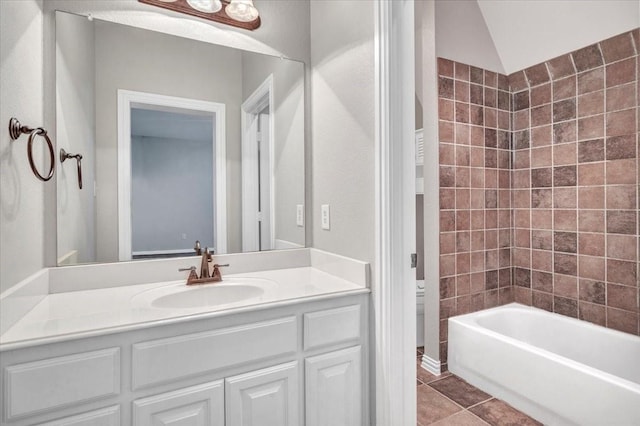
point(253, 105)
point(128, 99)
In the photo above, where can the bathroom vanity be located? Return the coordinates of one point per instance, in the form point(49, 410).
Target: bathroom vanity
point(150, 353)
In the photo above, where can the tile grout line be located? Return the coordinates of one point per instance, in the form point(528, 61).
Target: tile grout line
point(429, 384)
point(462, 408)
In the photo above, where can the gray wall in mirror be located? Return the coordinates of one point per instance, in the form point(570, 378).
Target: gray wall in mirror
point(95, 58)
point(171, 157)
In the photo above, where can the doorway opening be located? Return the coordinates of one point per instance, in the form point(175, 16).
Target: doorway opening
point(258, 193)
point(171, 175)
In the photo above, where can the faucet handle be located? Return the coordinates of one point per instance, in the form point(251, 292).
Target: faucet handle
point(198, 248)
point(192, 274)
point(216, 275)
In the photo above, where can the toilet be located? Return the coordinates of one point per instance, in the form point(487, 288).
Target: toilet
point(419, 313)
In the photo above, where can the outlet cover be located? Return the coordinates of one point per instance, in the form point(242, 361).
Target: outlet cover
point(325, 217)
point(299, 214)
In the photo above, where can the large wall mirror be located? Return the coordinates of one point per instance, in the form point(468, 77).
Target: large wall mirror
point(181, 140)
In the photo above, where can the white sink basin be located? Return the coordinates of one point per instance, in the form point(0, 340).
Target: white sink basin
point(212, 295)
point(227, 292)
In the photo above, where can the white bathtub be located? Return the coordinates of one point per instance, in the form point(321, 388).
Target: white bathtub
point(559, 370)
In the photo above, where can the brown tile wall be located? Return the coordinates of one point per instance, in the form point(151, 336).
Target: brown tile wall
point(575, 183)
point(475, 209)
point(539, 186)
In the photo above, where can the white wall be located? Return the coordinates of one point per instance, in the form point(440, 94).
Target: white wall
point(171, 182)
point(75, 81)
point(527, 32)
point(22, 196)
point(133, 59)
point(462, 35)
point(508, 36)
point(342, 128)
point(288, 87)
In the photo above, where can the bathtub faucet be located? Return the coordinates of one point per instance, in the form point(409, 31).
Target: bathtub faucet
point(205, 276)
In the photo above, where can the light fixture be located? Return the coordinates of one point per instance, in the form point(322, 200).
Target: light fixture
point(237, 13)
point(206, 6)
point(242, 10)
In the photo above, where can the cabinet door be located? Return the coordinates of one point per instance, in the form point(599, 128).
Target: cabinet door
point(265, 397)
point(333, 388)
point(201, 405)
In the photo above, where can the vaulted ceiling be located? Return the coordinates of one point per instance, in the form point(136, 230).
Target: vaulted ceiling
point(510, 35)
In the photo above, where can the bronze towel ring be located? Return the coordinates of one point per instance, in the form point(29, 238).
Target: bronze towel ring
point(65, 155)
point(16, 129)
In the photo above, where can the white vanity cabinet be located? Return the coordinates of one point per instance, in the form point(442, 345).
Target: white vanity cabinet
point(195, 405)
point(109, 416)
point(297, 363)
point(333, 388)
point(264, 397)
point(333, 380)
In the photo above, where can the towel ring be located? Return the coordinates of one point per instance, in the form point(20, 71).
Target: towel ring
point(16, 129)
point(64, 155)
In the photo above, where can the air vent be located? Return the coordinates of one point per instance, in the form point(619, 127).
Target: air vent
point(419, 148)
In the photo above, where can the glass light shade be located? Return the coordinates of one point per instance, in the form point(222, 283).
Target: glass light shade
point(206, 6)
point(242, 10)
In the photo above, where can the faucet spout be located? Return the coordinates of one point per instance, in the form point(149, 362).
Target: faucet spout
point(197, 248)
point(204, 263)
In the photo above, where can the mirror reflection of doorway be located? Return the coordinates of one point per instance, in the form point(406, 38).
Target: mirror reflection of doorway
point(259, 160)
point(258, 227)
point(172, 182)
point(171, 175)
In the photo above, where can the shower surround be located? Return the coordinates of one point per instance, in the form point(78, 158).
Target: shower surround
point(475, 200)
point(539, 186)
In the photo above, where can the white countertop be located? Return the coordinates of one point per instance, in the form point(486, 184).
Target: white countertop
point(75, 314)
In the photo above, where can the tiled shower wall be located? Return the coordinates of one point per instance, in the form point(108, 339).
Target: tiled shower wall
point(539, 186)
point(575, 183)
point(475, 209)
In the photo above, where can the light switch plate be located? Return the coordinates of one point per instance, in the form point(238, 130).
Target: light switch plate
point(300, 214)
point(325, 217)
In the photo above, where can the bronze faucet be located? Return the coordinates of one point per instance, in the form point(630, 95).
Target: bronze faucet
point(204, 263)
point(205, 275)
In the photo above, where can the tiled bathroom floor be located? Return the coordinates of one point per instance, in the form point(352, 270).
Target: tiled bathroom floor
point(448, 400)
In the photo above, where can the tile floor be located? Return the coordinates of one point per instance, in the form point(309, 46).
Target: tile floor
point(448, 400)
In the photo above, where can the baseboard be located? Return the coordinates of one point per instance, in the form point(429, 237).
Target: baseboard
point(431, 365)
